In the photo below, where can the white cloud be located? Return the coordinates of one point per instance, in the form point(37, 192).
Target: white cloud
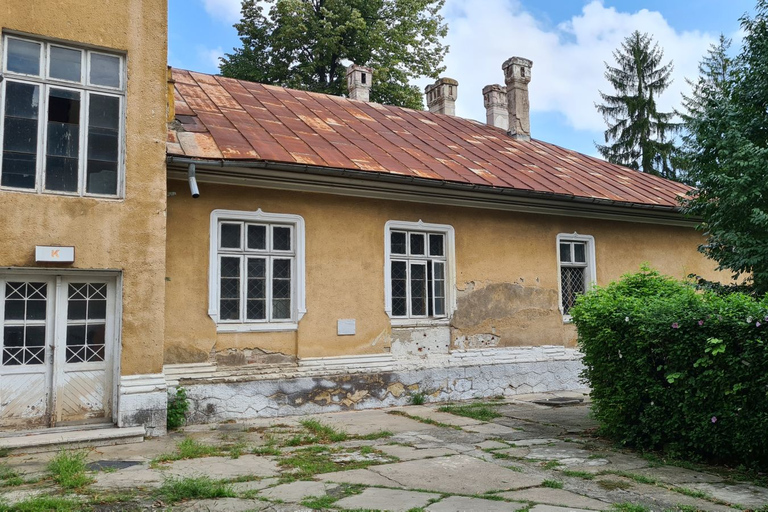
point(224, 10)
point(568, 58)
point(209, 59)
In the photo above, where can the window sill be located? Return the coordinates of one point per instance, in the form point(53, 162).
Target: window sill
point(225, 328)
point(416, 323)
point(567, 319)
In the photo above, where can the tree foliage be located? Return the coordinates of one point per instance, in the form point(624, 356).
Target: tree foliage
point(304, 44)
point(638, 135)
point(726, 148)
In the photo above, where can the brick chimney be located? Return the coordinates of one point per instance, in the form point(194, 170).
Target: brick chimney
point(359, 80)
point(441, 96)
point(495, 100)
point(517, 74)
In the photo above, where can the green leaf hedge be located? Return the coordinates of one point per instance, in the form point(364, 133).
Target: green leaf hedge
point(677, 370)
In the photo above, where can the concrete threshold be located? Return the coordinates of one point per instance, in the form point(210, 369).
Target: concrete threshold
point(43, 441)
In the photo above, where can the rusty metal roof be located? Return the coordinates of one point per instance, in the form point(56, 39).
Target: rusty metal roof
point(227, 119)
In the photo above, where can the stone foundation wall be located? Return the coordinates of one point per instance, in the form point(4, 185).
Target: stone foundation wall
point(239, 397)
point(142, 401)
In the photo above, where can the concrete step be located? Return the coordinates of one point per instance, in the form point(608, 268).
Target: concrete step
point(44, 441)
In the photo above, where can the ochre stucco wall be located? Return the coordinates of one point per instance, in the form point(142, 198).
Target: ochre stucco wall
point(126, 234)
point(506, 266)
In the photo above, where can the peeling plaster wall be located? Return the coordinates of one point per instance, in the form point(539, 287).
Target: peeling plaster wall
point(330, 393)
point(506, 274)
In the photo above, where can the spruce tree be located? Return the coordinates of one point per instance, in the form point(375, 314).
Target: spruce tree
point(638, 135)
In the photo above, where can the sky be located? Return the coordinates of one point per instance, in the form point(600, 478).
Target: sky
point(569, 42)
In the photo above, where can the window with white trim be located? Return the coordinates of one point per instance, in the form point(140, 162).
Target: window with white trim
point(61, 118)
point(419, 271)
point(257, 270)
point(576, 267)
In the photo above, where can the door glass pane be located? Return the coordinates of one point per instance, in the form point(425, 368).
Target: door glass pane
point(417, 243)
point(105, 70)
point(281, 238)
point(63, 142)
point(103, 144)
point(397, 241)
point(22, 102)
point(281, 289)
point(24, 323)
point(399, 288)
point(86, 322)
point(418, 289)
point(65, 64)
point(23, 57)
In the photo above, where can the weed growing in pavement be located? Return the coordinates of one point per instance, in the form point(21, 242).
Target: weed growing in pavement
point(9, 477)
point(4, 452)
point(373, 436)
point(641, 479)
point(319, 502)
point(552, 484)
point(579, 474)
point(178, 405)
point(268, 449)
point(312, 460)
point(324, 433)
point(692, 493)
point(421, 419)
point(417, 399)
point(629, 507)
point(203, 487)
point(188, 448)
point(67, 469)
point(552, 464)
point(44, 504)
point(480, 412)
point(612, 485)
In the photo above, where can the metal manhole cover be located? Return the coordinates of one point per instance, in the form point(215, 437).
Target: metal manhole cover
point(101, 465)
point(559, 401)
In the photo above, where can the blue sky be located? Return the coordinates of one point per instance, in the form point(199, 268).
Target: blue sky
point(568, 40)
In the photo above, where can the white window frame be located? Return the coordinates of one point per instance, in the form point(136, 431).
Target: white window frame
point(44, 82)
point(590, 267)
point(298, 286)
point(450, 271)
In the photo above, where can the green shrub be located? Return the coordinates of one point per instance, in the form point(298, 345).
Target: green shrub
point(177, 408)
point(677, 370)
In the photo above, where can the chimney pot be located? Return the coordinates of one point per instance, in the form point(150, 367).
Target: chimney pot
point(495, 100)
point(441, 96)
point(359, 81)
point(517, 75)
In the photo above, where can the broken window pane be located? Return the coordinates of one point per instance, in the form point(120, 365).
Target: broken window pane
point(103, 144)
point(397, 241)
point(105, 70)
point(22, 103)
point(65, 64)
point(23, 57)
point(63, 148)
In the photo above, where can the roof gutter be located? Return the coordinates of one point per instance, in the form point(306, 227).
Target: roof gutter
point(360, 181)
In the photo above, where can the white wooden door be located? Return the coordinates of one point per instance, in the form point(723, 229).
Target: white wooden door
point(67, 379)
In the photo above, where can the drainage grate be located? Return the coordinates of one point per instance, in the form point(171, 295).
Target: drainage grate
point(559, 401)
point(101, 465)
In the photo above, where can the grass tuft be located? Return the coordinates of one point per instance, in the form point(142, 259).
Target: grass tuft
point(188, 448)
point(552, 484)
point(203, 487)
point(318, 502)
point(67, 469)
point(417, 399)
point(579, 474)
point(480, 412)
point(324, 433)
point(44, 504)
point(421, 419)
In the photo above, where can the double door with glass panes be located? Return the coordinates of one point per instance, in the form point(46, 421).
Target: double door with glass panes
point(57, 350)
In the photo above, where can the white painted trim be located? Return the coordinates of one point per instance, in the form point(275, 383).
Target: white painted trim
point(138, 384)
point(450, 271)
point(591, 268)
point(299, 287)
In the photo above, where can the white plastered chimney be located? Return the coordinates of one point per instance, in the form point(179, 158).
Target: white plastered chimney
point(495, 101)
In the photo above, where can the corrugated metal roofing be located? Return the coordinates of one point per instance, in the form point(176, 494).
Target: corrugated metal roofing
point(223, 118)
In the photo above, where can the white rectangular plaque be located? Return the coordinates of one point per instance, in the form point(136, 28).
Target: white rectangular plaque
point(47, 253)
point(346, 327)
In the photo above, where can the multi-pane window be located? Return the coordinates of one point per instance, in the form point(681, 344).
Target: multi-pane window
point(61, 119)
point(256, 268)
point(86, 322)
point(24, 323)
point(417, 261)
point(574, 271)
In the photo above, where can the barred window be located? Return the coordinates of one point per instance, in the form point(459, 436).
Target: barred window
point(576, 259)
point(418, 269)
point(258, 264)
point(61, 118)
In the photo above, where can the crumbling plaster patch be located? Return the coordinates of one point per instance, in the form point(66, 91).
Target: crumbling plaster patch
point(420, 341)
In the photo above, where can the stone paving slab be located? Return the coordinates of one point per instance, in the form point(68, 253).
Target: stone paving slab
point(355, 423)
point(552, 508)
point(294, 492)
point(18, 495)
point(223, 467)
point(492, 445)
point(616, 462)
point(221, 505)
point(659, 498)
point(464, 504)
point(253, 485)
point(492, 429)
point(386, 499)
point(677, 476)
point(749, 496)
point(358, 476)
point(556, 497)
point(134, 477)
point(535, 442)
point(459, 474)
point(432, 413)
point(557, 453)
point(409, 453)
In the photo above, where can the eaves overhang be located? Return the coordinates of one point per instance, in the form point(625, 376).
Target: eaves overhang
point(378, 185)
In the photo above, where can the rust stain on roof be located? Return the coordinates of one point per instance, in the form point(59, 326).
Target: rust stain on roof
point(223, 118)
